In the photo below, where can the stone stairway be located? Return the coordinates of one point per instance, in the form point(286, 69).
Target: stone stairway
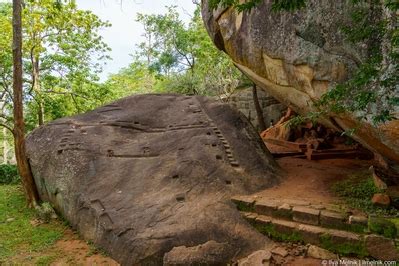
point(321, 225)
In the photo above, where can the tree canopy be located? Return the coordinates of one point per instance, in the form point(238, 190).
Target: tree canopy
point(175, 57)
point(62, 48)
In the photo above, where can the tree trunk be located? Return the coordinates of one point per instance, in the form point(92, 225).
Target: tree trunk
point(258, 108)
point(25, 172)
point(5, 146)
point(40, 112)
point(36, 89)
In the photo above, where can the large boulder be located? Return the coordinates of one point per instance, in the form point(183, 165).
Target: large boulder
point(148, 173)
point(298, 56)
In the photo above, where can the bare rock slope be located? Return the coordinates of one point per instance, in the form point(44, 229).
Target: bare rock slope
point(148, 173)
point(298, 56)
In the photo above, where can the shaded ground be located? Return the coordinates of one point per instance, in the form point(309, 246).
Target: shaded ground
point(312, 180)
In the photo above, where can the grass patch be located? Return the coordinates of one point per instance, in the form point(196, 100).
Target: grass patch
point(45, 260)
point(383, 227)
point(344, 249)
point(93, 250)
point(356, 228)
point(270, 231)
point(245, 207)
point(395, 221)
point(17, 235)
point(358, 190)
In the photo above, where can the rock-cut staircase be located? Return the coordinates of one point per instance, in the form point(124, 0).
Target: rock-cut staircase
point(301, 221)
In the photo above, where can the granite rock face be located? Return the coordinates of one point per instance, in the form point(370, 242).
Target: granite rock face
point(297, 57)
point(148, 173)
point(272, 109)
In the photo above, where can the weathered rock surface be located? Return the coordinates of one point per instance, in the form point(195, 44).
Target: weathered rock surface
point(210, 253)
point(148, 173)
point(381, 199)
point(271, 108)
point(297, 57)
point(320, 253)
point(258, 258)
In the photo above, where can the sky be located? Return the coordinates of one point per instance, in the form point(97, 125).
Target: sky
point(125, 32)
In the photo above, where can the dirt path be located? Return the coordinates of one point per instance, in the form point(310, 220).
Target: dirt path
point(312, 180)
point(70, 250)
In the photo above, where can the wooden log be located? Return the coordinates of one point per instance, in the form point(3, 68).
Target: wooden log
point(296, 154)
point(301, 147)
point(335, 154)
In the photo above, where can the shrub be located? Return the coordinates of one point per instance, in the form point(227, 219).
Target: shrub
point(9, 174)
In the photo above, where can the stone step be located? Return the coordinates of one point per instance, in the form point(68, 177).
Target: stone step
point(338, 241)
point(303, 212)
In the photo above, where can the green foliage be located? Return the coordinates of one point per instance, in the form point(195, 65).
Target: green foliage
point(359, 186)
point(288, 5)
point(5, 52)
point(93, 250)
point(372, 91)
point(395, 221)
point(357, 228)
point(343, 249)
point(278, 5)
point(9, 174)
point(177, 58)
point(17, 235)
point(61, 43)
point(383, 227)
point(244, 207)
point(392, 4)
point(134, 79)
point(45, 260)
point(300, 119)
point(357, 190)
point(270, 231)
